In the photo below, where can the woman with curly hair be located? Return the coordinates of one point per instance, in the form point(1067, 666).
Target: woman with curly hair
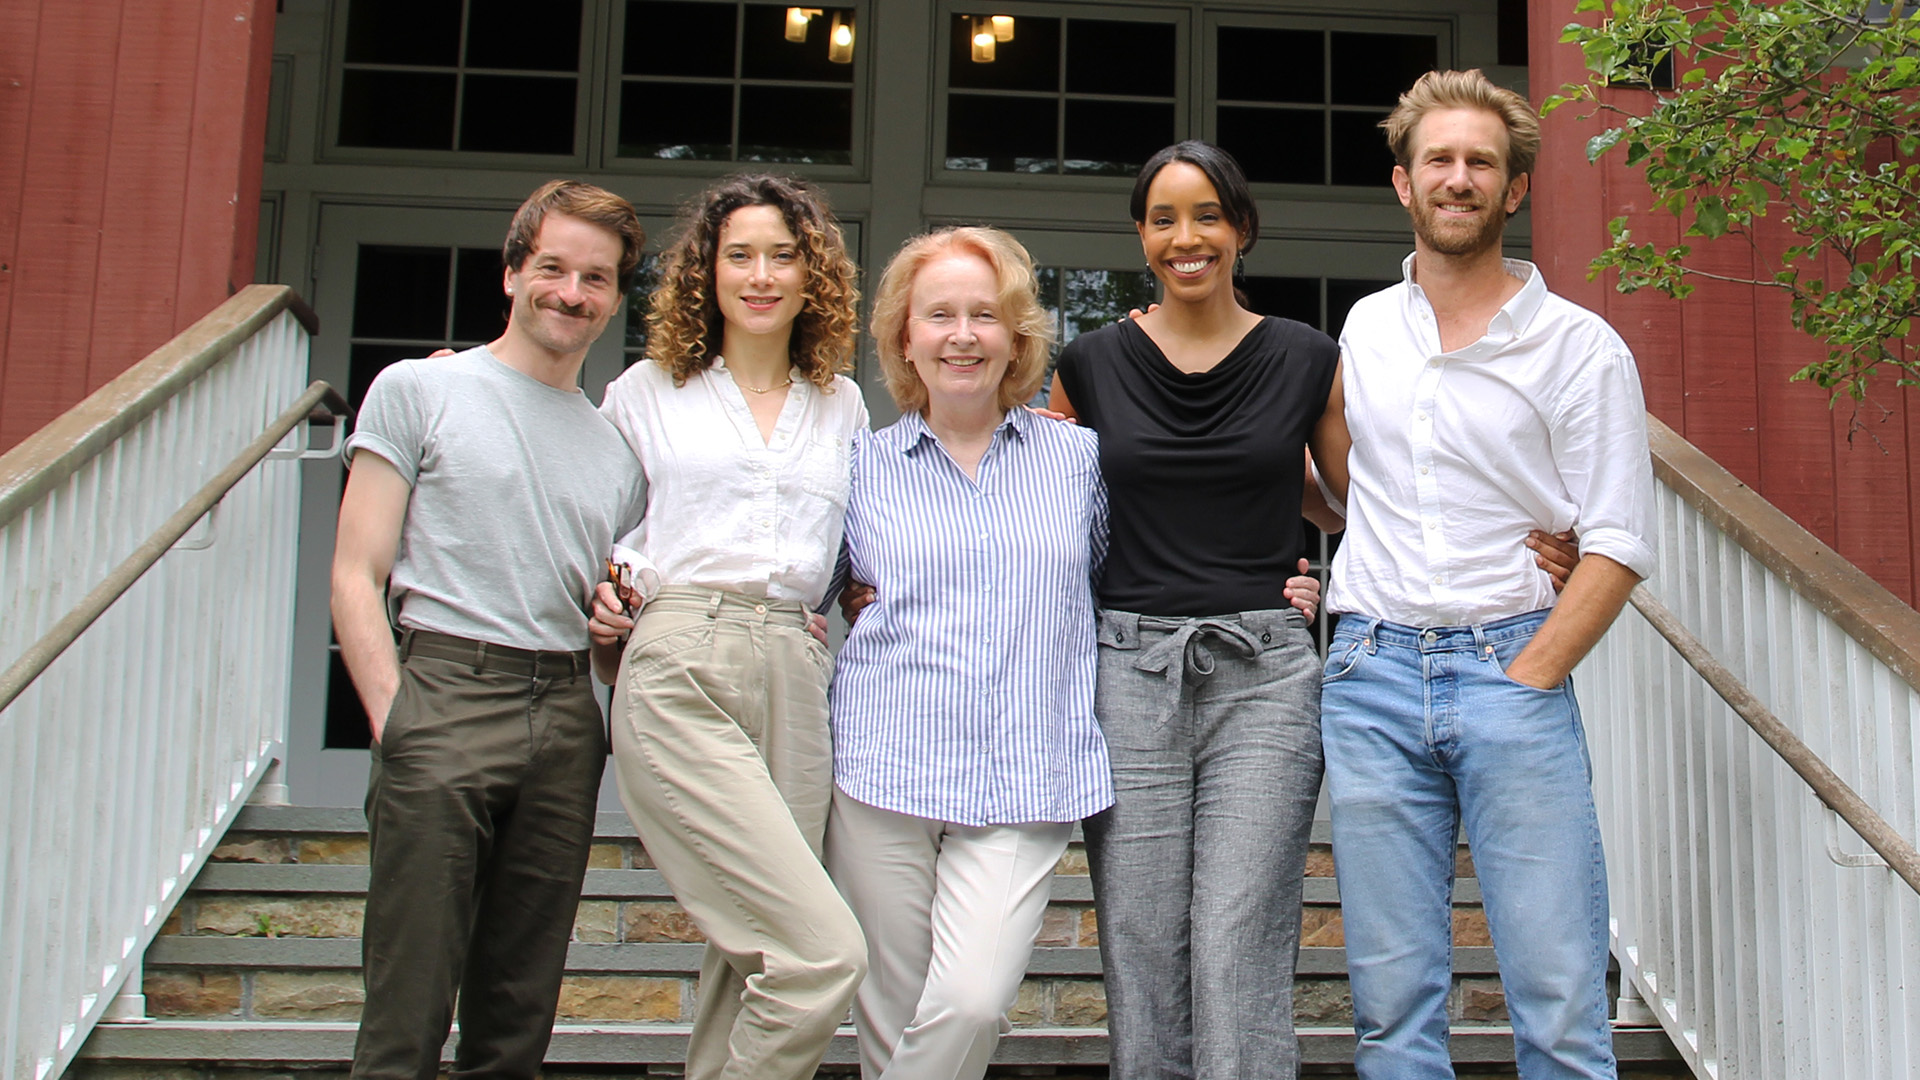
point(719, 729)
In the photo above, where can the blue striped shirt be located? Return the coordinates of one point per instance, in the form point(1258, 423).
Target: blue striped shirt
point(965, 691)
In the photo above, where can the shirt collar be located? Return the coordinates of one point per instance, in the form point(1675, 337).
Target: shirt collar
point(914, 427)
point(1516, 314)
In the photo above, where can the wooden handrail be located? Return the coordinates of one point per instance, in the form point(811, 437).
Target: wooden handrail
point(1880, 621)
point(1827, 785)
point(45, 459)
point(42, 653)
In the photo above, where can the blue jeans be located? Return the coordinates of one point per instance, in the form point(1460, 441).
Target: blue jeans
point(1423, 732)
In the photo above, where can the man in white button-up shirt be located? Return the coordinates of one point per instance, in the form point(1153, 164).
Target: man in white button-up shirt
point(1481, 406)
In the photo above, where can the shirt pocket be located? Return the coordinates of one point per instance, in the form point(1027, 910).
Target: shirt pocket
point(824, 469)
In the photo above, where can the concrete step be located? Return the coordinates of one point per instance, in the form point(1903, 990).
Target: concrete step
point(318, 1045)
point(260, 964)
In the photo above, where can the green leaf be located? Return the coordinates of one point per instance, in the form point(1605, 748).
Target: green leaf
point(1602, 143)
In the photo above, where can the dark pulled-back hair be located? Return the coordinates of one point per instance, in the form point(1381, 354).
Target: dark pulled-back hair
point(1236, 201)
point(594, 205)
point(684, 327)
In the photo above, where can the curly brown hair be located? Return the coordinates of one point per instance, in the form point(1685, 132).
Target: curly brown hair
point(684, 326)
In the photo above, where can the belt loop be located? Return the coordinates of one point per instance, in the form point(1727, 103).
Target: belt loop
point(1370, 636)
point(1480, 646)
point(713, 604)
point(406, 643)
point(573, 666)
point(479, 657)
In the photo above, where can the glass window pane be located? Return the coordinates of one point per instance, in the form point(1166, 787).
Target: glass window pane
point(1275, 146)
point(1111, 57)
point(639, 302)
point(419, 32)
point(765, 52)
point(400, 292)
point(1360, 155)
point(366, 361)
point(1374, 69)
point(480, 306)
point(347, 724)
point(676, 121)
point(1264, 64)
point(1002, 134)
point(1296, 298)
point(518, 114)
point(1031, 61)
point(404, 110)
point(1115, 138)
point(1090, 299)
point(675, 37)
point(1343, 293)
point(514, 34)
point(791, 123)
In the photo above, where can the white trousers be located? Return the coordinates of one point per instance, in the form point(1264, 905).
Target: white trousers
point(950, 913)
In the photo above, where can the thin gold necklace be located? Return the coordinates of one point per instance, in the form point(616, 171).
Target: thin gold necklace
point(781, 385)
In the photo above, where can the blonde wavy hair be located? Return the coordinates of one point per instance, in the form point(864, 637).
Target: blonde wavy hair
point(1019, 308)
point(684, 325)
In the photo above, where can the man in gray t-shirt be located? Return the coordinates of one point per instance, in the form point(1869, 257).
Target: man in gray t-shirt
point(485, 494)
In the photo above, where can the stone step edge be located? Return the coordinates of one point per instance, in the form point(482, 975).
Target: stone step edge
point(653, 958)
point(351, 880)
point(347, 820)
point(331, 1043)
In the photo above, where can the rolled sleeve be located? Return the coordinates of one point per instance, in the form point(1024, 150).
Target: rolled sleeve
point(1600, 448)
point(391, 422)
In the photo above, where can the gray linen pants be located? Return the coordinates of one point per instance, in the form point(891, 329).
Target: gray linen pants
point(725, 764)
point(1213, 728)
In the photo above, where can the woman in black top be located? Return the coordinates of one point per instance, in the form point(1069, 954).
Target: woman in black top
point(1209, 687)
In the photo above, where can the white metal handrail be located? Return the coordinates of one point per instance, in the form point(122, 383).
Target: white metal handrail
point(1764, 949)
point(154, 715)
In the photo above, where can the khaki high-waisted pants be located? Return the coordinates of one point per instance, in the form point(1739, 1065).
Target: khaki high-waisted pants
point(725, 764)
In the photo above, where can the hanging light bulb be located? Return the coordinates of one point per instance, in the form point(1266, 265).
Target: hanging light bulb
point(1003, 28)
point(840, 39)
point(797, 20)
point(983, 39)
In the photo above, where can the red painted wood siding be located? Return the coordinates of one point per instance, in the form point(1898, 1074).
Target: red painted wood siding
point(131, 138)
point(1717, 367)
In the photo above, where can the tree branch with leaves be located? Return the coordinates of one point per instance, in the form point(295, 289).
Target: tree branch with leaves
point(1807, 111)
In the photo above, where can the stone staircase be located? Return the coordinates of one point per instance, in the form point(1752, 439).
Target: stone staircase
point(258, 970)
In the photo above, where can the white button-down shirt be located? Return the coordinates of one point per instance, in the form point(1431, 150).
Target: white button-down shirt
point(965, 691)
point(1539, 424)
point(725, 508)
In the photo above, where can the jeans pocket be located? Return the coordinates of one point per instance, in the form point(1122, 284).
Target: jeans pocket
point(1342, 657)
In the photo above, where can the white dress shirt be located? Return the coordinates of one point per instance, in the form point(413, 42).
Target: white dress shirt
point(1539, 424)
point(725, 508)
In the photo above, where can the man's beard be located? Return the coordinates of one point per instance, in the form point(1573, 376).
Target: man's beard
point(1455, 238)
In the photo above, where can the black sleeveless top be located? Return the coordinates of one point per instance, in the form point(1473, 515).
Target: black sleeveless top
point(1203, 470)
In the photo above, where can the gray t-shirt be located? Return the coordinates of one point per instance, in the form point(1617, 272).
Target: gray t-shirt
point(519, 490)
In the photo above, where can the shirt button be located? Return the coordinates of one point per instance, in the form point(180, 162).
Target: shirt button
point(1422, 416)
point(1433, 363)
point(1423, 470)
point(1436, 579)
point(759, 609)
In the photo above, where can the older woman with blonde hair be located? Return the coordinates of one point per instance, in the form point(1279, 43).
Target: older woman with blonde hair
point(965, 745)
point(743, 425)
